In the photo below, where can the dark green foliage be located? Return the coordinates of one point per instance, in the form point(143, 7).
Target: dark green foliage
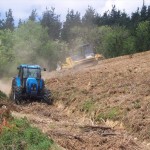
point(114, 17)
point(135, 19)
point(89, 18)
point(143, 36)
point(1, 24)
point(118, 42)
point(9, 22)
point(144, 13)
point(148, 13)
point(22, 136)
point(33, 15)
point(20, 23)
point(51, 21)
point(72, 20)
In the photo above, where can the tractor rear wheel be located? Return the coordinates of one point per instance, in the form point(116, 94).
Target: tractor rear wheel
point(17, 95)
point(47, 98)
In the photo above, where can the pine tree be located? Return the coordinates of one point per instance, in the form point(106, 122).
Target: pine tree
point(20, 23)
point(143, 13)
point(33, 15)
point(90, 17)
point(52, 22)
point(9, 22)
point(72, 20)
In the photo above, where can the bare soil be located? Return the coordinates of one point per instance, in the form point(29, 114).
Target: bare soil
point(78, 132)
point(102, 107)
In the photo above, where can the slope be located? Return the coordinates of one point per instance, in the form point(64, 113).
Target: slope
point(106, 106)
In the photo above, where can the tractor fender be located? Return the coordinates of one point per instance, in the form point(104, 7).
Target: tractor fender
point(18, 82)
point(29, 83)
point(42, 84)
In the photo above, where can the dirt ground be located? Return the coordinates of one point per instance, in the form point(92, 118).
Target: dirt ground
point(102, 107)
point(78, 133)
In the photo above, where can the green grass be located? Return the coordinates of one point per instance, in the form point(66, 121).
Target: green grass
point(21, 136)
point(111, 114)
point(88, 106)
point(2, 95)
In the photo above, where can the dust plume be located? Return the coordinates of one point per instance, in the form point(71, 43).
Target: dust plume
point(5, 86)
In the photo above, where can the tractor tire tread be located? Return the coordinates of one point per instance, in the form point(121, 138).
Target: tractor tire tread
point(18, 95)
point(47, 96)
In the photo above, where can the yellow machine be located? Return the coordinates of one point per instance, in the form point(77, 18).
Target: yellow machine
point(83, 55)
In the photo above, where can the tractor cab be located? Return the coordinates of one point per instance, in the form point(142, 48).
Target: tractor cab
point(29, 71)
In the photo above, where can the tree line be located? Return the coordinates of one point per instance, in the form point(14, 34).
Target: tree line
point(46, 40)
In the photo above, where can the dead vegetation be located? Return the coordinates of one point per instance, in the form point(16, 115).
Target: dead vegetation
point(117, 89)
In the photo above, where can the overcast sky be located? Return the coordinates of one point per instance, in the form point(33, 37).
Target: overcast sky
point(22, 8)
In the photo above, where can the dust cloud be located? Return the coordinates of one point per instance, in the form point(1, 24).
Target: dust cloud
point(5, 86)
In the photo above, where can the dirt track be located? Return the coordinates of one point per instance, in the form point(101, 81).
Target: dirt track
point(104, 107)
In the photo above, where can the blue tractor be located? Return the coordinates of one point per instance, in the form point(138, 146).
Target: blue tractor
point(28, 84)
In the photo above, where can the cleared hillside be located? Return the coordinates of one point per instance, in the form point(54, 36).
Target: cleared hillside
point(116, 89)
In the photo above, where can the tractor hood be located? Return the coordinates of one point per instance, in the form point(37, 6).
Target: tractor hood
point(32, 86)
